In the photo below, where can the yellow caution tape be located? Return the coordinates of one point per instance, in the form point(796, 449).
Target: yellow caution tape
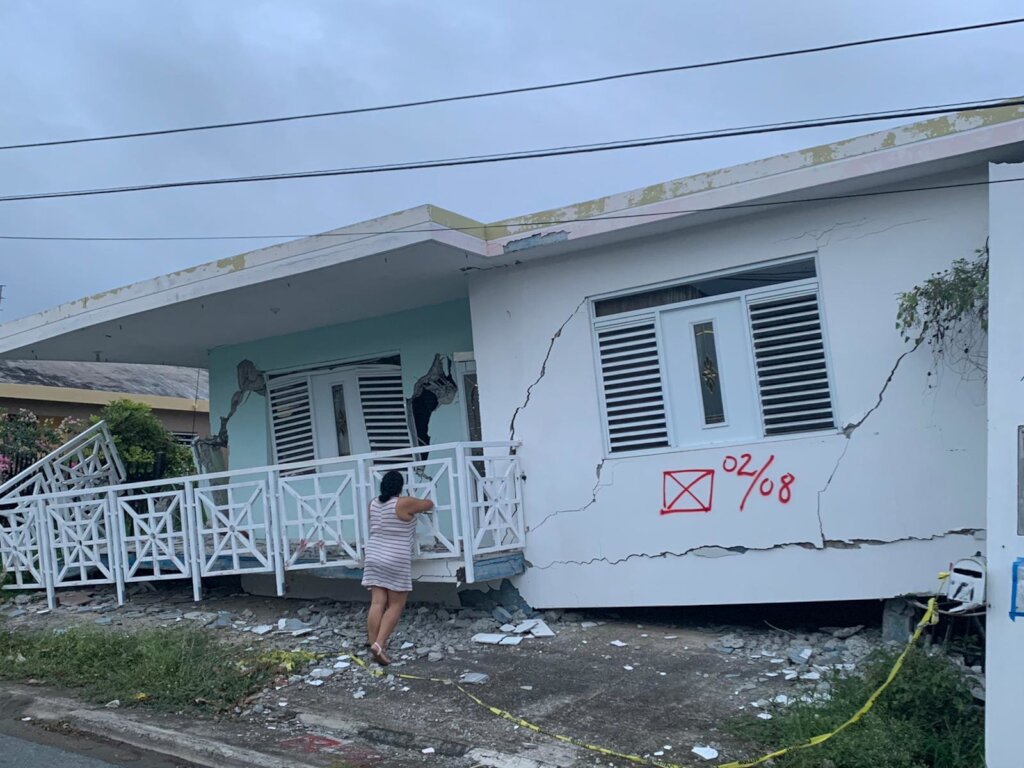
point(930, 617)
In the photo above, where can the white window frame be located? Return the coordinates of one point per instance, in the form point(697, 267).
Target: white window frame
point(793, 288)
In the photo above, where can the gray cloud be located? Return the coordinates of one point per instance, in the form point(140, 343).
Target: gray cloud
point(98, 66)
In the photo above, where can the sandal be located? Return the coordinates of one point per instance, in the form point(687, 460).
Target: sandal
point(378, 655)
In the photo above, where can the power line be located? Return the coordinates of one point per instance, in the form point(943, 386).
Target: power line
point(523, 89)
point(528, 154)
point(539, 223)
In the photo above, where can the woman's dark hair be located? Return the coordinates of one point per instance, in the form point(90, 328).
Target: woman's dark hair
point(390, 486)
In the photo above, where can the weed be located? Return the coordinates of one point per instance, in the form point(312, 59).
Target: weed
point(927, 718)
point(168, 669)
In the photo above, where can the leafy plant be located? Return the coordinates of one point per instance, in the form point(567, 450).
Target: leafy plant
point(147, 449)
point(24, 438)
point(949, 312)
point(927, 718)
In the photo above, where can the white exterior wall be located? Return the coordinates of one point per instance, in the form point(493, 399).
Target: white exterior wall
point(875, 515)
point(1004, 637)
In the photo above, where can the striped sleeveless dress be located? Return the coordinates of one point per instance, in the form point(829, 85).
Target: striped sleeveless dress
point(387, 560)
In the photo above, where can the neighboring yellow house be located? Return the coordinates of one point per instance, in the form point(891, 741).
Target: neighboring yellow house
point(57, 389)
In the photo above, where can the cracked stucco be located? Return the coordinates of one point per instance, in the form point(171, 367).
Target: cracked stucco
point(715, 551)
point(543, 370)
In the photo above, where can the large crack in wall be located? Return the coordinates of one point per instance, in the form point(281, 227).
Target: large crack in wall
point(715, 551)
point(543, 369)
point(211, 451)
point(432, 390)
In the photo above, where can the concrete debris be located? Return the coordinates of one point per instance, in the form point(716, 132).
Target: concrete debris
point(846, 632)
point(764, 715)
point(292, 625)
point(116, 703)
point(511, 640)
point(321, 674)
point(618, 643)
point(359, 694)
point(69, 599)
point(801, 655)
point(488, 639)
point(315, 683)
point(733, 642)
point(261, 629)
point(588, 625)
point(708, 753)
point(475, 678)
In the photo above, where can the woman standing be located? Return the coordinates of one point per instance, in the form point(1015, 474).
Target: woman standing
point(387, 564)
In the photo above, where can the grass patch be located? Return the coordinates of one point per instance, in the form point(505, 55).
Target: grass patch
point(169, 669)
point(927, 718)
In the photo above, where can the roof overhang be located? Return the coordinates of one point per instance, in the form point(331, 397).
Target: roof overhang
point(421, 256)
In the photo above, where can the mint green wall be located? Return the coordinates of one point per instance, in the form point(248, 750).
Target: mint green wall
point(417, 335)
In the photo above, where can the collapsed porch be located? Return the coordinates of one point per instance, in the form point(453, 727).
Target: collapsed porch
point(71, 521)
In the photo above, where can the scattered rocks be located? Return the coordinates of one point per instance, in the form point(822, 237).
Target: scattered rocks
point(475, 678)
point(801, 656)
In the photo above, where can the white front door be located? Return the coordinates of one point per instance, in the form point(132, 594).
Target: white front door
point(710, 376)
point(340, 429)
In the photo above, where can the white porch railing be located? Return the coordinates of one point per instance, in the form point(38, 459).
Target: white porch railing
point(87, 460)
point(269, 520)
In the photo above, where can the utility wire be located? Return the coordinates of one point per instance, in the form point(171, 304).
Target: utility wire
point(523, 89)
point(538, 223)
point(528, 154)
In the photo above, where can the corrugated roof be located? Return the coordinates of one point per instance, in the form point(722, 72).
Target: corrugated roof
point(161, 380)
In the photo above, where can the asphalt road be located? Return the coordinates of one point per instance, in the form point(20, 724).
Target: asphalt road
point(18, 753)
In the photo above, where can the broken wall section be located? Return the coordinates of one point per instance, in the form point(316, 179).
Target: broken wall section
point(417, 335)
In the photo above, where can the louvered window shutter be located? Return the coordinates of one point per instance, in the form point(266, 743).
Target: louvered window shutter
point(792, 376)
point(384, 411)
point(632, 387)
point(291, 416)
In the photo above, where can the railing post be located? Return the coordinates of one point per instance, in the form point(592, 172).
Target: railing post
point(364, 489)
point(275, 532)
point(190, 523)
point(114, 543)
point(468, 529)
point(45, 569)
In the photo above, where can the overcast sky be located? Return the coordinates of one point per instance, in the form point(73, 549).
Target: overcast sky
point(86, 67)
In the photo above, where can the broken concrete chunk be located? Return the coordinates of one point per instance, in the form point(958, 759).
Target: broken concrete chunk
point(69, 599)
point(500, 614)
point(588, 625)
point(617, 643)
point(525, 626)
point(846, 632)
point(708, 753)
point(488, 638)
point(511, 640)
point(800, 655)
point(475, 678)
point(321, 674)
point(434, 656)
point(732, 641)
point(359, 694)
point(262, 629)
point(507, 628)
point(541, 629)
point(291, 625)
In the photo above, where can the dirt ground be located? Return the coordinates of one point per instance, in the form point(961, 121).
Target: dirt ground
point(651, 683)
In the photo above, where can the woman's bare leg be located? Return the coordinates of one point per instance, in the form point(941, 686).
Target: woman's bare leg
point(378, 604)
point(396, 603)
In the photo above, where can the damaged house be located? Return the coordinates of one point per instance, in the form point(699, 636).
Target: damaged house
point(691, 393)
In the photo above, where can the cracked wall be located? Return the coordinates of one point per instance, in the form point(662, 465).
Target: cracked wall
point(905, 479)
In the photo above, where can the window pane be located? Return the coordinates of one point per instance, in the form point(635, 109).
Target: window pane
point(341, 420)
point(714, 286)
point(707, 370)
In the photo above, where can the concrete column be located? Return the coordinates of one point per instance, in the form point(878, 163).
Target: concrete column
point(1005, 638)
